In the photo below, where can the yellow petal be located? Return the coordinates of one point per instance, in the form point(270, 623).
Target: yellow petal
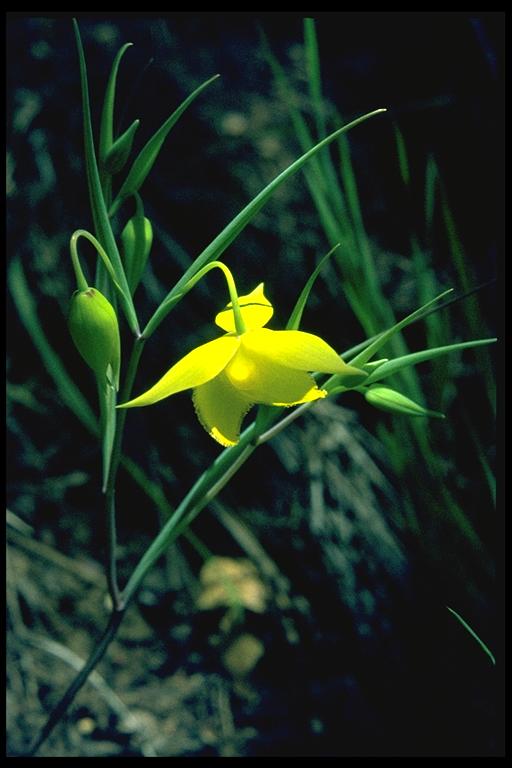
point(196, 368)
point(220, 408)
point(263, 381)
point(295, 349)
point(255, 308)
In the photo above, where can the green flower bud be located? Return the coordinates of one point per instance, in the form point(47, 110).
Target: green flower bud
point(387, 399)
point(136, 242)
point(95, 331)
point(120, 150)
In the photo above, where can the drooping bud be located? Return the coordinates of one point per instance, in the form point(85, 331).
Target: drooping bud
point(95, 331)
point(136, 242)
point(387, 399)
point(120, 150)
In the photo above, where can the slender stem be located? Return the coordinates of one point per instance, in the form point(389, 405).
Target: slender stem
point(101, 253)
point(276, 428)
point(167, 305)
point(110, 491)
point(80, 277)
point(113, 585)
point(96, 655)
point(126, 389)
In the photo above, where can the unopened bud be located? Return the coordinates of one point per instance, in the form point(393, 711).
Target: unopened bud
point(136, 242)
point(95, 331)
point(387, 399)
point(120, 150)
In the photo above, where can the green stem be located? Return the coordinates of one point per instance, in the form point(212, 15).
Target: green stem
point(112, 582)
point(96, 656)
point(233, 295)
point(81, 281)
point(110, 489)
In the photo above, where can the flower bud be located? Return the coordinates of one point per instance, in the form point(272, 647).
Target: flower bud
point(387, 399)
point(120, 150)
point(95, 331)
point(136, 242)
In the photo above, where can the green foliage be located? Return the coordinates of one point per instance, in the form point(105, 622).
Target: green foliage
point(146, 158)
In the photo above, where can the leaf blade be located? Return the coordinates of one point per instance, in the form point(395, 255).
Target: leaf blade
point(146, 158)
point(296, 315)
point(392, 366)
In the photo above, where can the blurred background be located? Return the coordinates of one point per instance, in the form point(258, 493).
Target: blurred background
point(305, 611)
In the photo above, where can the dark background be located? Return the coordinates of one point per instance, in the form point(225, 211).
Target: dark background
point(360, 655)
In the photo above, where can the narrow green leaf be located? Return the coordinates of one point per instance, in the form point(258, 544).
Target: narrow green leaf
point(401, 151)
point(236, 225)
point(145, 160)
point(314, 77)
point(366, 260)
point(393, 366)
point(387, 399)
point(107, 114)
point(473, 634)
point(26, 306)
point(296, 315)
point(371, 349)
point(371, 367)
point(98, 207)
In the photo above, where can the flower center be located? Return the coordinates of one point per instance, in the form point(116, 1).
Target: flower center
point(240, 370)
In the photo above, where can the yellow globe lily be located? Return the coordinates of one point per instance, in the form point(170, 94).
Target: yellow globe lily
point(231, 374)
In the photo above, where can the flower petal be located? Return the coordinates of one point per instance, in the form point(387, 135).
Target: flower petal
point(220, 408)
point(255, 308)
point(263, 381)
point(196, 368)
point(296, 349)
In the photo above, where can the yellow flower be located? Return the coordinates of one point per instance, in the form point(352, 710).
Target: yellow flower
point(231, 374)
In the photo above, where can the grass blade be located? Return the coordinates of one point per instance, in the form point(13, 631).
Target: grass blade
point(473, 635)
point(107, 115)
point(296, 315)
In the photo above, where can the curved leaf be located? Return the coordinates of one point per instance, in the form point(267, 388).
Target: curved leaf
point(145, 160)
